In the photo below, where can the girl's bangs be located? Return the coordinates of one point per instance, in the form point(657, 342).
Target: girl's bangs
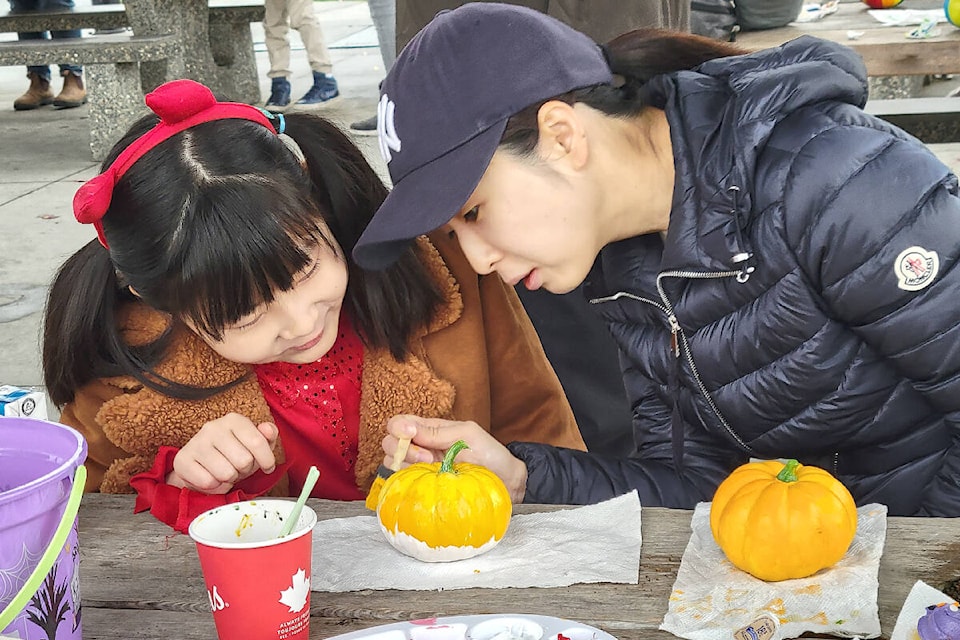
point(247, 238)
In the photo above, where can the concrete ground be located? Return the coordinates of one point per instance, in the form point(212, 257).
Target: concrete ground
point(44, 157)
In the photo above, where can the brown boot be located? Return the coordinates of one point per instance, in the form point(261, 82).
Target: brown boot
point(37, 95)
point(73, 93)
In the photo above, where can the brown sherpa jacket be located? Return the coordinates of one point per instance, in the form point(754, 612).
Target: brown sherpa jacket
point(480, 360)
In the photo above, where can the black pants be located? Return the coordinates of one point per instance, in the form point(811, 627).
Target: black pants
point(587, 361)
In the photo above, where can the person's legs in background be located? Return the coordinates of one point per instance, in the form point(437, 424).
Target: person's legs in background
point(73, 94)
point(303, 19)
point(275, 29)
point(413, 15)
point(39, 92)
point(604, 20)
point(599, 19)
point(384, 16)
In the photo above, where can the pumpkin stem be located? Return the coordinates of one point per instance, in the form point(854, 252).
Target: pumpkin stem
point(447, 465)
point(789, 471)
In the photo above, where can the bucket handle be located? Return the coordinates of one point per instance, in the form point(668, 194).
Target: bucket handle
point(50, 554)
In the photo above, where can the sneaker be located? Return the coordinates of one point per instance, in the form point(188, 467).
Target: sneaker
point(279, 95)
point(323, 90)
point(366, 127)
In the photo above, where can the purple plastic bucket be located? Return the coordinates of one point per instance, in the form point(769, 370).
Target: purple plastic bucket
point(38, 463)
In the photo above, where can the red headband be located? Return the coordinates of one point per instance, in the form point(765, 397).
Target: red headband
point(181, 104)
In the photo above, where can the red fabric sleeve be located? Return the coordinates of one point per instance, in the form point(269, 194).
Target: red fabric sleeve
point(178, 507)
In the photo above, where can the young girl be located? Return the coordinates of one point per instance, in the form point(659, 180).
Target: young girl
point(216, 341)
point(778, 268)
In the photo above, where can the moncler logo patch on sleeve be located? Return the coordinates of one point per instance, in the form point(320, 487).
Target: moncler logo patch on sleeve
point(916, 268)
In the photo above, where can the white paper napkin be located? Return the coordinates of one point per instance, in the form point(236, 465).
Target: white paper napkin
point(900, 17)
point(711, 598)
point(920, 597)
point(596, 543)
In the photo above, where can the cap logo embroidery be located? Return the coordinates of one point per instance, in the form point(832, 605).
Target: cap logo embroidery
point(386, 131)
point(916, 268)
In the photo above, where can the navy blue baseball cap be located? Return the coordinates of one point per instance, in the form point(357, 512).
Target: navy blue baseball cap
point(445, 104)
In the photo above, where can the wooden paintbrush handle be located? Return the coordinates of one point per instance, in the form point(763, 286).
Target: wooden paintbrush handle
point(402, 445)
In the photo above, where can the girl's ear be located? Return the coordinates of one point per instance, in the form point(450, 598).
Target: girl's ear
point(562, 135)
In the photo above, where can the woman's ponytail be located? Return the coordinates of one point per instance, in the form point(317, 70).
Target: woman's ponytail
point(638, 55)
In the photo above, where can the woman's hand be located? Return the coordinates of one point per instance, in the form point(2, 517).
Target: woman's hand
point(224, 452)
point(431, 437)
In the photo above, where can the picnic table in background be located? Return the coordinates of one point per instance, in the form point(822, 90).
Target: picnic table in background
point(886, 50)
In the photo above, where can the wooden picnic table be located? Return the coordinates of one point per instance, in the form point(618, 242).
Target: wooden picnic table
point(886, 50)
point(141, 580)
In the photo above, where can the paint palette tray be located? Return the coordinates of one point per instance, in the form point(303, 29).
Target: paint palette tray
point(481, 627)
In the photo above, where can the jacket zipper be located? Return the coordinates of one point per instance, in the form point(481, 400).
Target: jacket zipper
point(677, 338)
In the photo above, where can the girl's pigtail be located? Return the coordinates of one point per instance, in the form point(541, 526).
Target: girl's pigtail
point(81, 340)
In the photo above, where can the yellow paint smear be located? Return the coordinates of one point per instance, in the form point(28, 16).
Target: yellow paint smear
point(245, 523)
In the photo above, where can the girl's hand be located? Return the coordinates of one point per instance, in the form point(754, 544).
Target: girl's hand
point(433, 436)
point(224, 452)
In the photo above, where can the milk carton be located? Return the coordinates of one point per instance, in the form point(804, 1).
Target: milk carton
point(25, 403)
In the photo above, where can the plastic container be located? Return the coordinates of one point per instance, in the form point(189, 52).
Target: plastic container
point(41, 480)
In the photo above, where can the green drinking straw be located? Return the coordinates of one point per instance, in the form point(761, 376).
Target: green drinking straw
point(311, 480)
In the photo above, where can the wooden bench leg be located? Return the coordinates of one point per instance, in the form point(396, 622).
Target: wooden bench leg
point(232, 48)
point(116, 101)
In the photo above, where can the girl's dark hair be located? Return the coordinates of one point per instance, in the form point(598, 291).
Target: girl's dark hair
point(636, 57)
point(209, 225)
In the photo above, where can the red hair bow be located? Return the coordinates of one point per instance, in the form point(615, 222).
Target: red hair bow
point(181, 104)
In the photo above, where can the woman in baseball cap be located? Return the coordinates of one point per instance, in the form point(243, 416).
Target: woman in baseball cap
point(778, 268)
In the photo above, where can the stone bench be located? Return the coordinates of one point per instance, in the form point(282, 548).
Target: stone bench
point(108, 16)
point(231, 42)
point(112, 70)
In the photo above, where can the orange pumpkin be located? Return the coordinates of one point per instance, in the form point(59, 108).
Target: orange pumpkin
point(778, 521)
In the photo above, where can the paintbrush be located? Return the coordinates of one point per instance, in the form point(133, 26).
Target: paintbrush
point(385, 472)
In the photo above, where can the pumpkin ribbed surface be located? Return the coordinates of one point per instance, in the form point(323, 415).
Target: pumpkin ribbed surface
point(780, 521)
point(437, 514)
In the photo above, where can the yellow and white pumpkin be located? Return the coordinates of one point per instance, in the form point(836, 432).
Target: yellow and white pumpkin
point(441, 511)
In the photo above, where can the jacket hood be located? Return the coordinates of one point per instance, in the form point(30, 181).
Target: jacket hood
point(721, 115)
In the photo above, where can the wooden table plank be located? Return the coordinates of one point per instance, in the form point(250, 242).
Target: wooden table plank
point(886, 51)
point(134, 570)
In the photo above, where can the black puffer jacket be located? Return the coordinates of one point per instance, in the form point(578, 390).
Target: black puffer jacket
point(810, 272)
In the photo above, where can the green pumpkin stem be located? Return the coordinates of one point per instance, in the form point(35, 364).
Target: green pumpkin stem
point(789, 471)
point(447, 465)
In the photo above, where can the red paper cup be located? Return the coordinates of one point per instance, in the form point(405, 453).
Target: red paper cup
point(258, 584)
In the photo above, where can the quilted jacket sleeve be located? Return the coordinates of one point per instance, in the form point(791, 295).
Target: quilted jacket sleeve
point(562, 476)
point(881, 241)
